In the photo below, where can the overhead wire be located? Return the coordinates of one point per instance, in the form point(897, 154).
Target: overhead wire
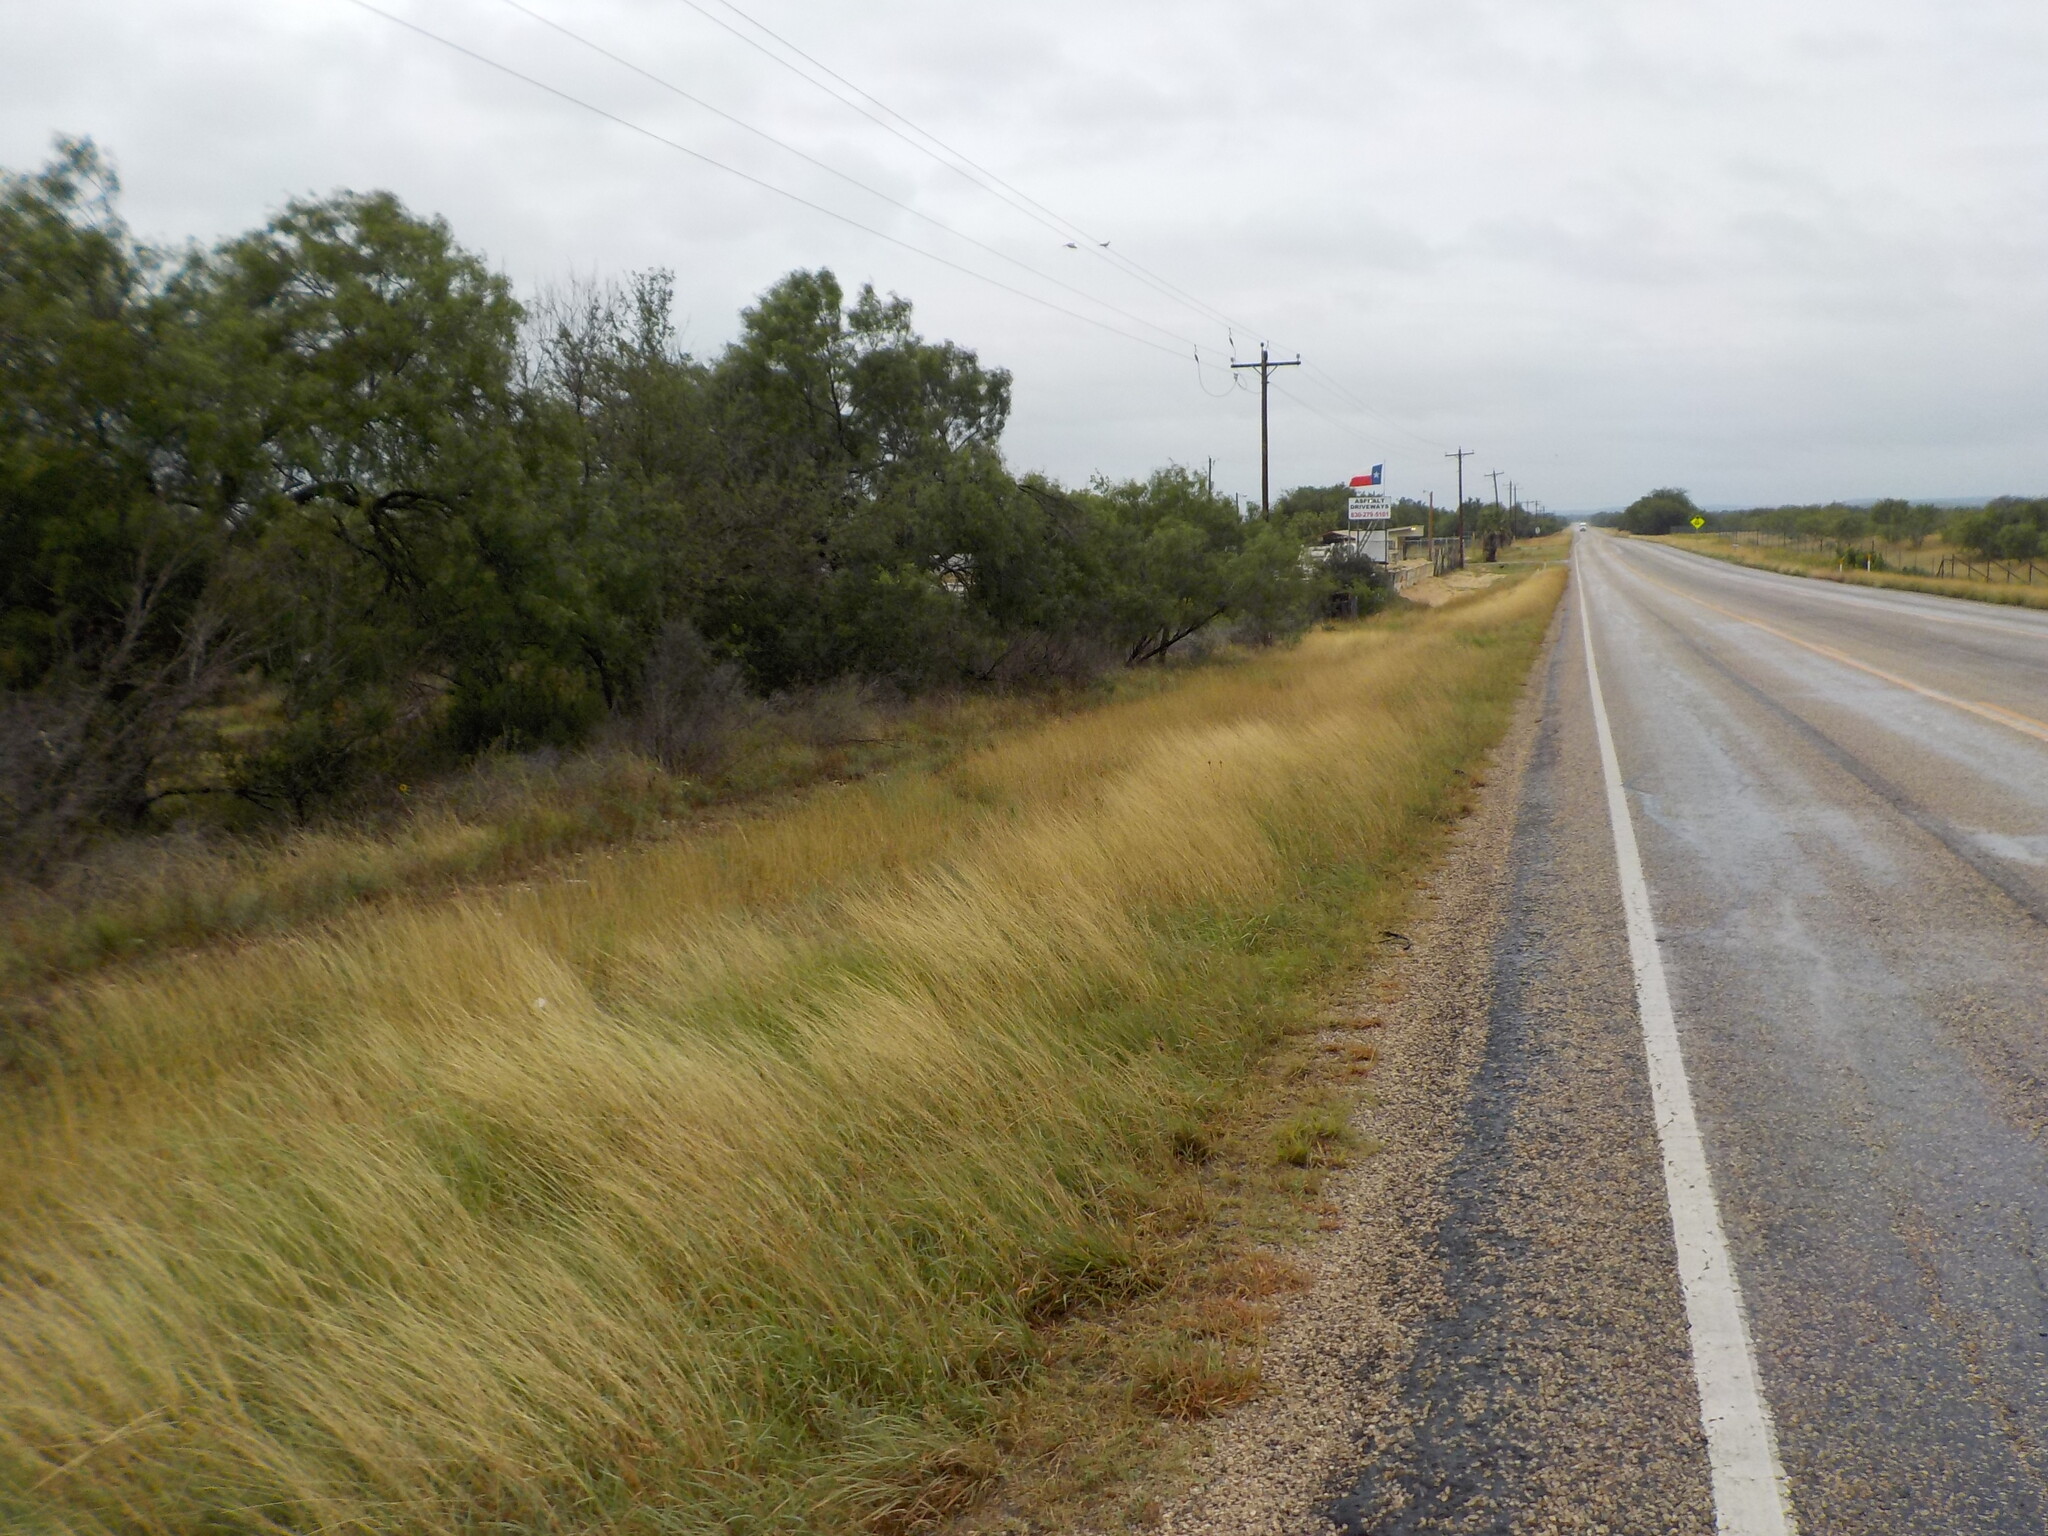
point(832, 170)
point(1310, 407)
point(989, 181)
point(952, 159)
point(1233, 382)
point(1038, 211)
point(768, 186)
point(1332, 383)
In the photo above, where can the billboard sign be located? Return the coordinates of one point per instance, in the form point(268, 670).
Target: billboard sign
point(1370, 507)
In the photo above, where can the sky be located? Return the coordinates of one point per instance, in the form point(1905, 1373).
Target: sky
point(1767, 250)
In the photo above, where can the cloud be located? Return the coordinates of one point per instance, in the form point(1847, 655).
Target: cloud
point(1768, 250)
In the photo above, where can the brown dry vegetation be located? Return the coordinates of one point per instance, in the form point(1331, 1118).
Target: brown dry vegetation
point(1825, 567)
point(740, 1184)
point(504, 817)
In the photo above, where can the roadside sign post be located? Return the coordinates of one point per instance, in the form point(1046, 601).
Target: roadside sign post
point(1369, 505)
point(1369, 508)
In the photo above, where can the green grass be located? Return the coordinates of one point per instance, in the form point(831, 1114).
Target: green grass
point(807, 1172)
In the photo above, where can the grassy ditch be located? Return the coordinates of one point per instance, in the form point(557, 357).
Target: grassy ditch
point(1826, 567)
point(501, 818)
point(736, 1186)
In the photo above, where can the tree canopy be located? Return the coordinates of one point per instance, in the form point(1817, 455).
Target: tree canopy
point(333, 470)
point(1664, 510)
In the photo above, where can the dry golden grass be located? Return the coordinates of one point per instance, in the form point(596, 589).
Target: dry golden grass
point(725, 1190)
point(498, 819)
point(1816, 563)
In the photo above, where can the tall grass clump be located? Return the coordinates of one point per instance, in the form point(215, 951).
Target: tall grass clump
point(725, 1190)
point(132, 897)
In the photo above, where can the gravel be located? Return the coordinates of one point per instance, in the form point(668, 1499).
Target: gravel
point(1493, 1338)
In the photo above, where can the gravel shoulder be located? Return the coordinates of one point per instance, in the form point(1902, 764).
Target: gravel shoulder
point(1493, 1339)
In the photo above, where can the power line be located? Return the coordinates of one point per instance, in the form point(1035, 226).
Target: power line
point(961, 165)
point(1461, 455)
point(1214, 394)
point(1330, 380)
point(1043, 215)
point(1265, 365)
point(832, 170)
point(1362, 409)
point(886, 117)
point(767, 186)
point(987, 180)
point(1308, 405)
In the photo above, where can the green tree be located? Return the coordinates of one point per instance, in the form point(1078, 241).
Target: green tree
point(2005, 528)
point(110, 627)
point(859, 455)
point(1309, 511)
point(333, 462)
point(1662, 511)
point(358, 425)
point(1903, 521)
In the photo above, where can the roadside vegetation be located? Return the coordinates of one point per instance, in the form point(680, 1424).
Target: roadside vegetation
point(1891, 567)
point(1996, 553)
point(790, 1173)
point(505, 816)
point(1310, 509)
point(325, 510)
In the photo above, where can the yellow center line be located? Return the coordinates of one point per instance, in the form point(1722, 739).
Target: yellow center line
point(1998, 714)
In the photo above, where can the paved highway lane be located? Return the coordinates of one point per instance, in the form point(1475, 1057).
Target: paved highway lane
point(1841, 798)
point(1840, 802)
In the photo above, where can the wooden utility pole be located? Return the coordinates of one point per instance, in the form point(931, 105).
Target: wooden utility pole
point(1265, 365)
point(1461, 456)
point(1494, 475)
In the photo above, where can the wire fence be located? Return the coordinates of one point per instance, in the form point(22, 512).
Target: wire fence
point(1887, 555)
point(1964, 568)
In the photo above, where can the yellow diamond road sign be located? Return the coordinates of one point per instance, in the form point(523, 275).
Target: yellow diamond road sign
point(1699, 522)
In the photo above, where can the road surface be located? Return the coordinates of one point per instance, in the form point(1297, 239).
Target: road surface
point(1840, 798)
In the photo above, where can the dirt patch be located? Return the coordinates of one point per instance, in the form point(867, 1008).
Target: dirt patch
point(1435, 591)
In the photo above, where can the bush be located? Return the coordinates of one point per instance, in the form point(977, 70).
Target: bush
point(2008, 528)
point(334, 460)
point(1662, 511)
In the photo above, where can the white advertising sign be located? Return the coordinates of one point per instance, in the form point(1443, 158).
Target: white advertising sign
point(1370, 507)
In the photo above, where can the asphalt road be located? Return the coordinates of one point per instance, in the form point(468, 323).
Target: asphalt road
point(1841, 801)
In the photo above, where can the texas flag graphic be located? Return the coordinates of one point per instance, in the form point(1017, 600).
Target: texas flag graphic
point(1371, 479)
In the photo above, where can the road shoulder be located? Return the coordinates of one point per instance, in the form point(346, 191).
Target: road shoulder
point(1493, 1332)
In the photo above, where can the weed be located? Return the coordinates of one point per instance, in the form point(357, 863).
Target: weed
point(832, 1119)
point(1315, 1136)
point(1194, 1378)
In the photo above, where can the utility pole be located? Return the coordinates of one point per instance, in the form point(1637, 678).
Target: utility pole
point(1461, 456)
point(1265, 365)
point(1494, 475)
point(1430, 531)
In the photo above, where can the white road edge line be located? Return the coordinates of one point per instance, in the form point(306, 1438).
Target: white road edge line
point(1896, 602)
point(1750, 1497)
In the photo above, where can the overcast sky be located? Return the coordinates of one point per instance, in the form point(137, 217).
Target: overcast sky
point(1770, 250)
